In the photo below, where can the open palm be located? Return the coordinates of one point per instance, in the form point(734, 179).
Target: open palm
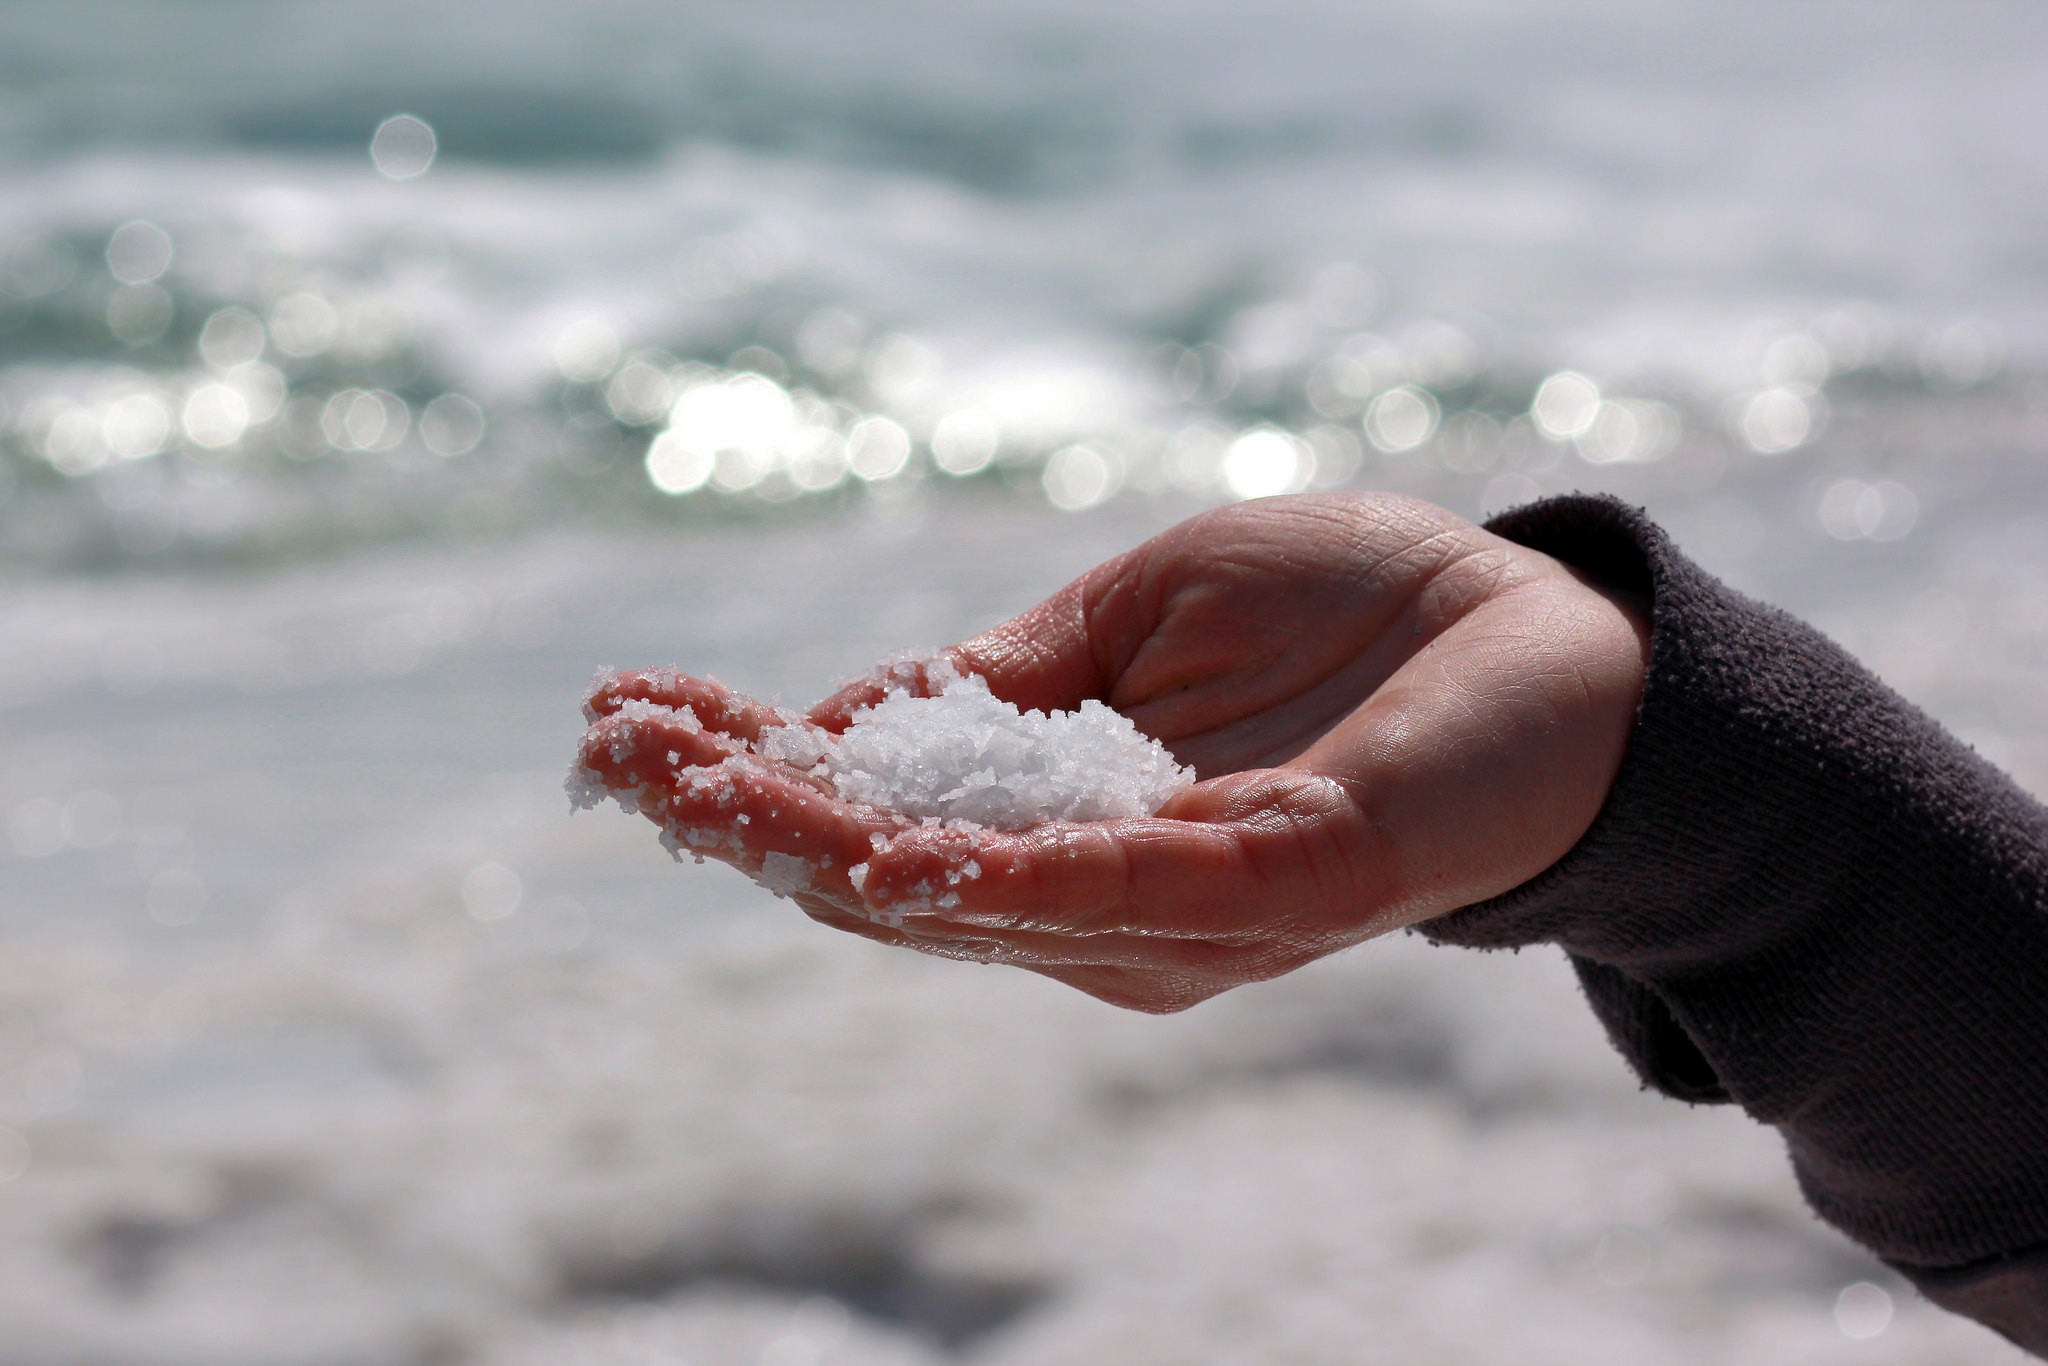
point(1393, 714)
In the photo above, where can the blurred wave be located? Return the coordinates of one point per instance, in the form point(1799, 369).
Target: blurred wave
point(685, 264)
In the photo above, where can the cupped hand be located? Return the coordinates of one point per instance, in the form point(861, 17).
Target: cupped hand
point(1392, 714)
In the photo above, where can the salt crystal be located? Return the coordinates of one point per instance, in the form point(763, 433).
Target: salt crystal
point(783, 874)
point(798, 745)
point(586, 789)
point(966, 757)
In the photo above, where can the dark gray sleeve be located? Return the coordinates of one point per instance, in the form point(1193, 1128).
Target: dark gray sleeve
point(1805, 897)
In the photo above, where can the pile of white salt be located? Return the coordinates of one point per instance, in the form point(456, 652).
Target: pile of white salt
point(965, 756)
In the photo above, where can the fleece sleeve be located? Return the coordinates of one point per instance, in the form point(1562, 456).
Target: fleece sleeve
point(1806, 898)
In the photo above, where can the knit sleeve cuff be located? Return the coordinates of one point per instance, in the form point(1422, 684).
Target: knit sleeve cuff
point(1804, 896)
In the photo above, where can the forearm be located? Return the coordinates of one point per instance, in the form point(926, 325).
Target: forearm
point(1804, 896)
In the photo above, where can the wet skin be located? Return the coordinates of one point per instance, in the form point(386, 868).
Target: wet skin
point(1393, 713)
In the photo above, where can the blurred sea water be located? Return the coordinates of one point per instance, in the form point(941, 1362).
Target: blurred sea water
point(670, 263)
point(370, 374)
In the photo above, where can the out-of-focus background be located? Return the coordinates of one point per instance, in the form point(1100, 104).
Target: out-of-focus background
point(370, 373)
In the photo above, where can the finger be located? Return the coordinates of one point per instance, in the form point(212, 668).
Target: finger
point(952, 943)
point(1174, 632)
point(842, 915)
point(1222, 863)
point(1134, 972)
point(713, 799)
point(908, 673)
point(1488, 755)
point(786, 833)
point(1195, 959)
point(643, 745)
point(716, 706)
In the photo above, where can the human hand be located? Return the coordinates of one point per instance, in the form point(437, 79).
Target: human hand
point(1393, 713)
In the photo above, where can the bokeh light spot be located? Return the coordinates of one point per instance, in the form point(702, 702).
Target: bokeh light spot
point(215, 416)
point(639, 393)
point(403, 147)
point(1853, 510)
point(137, 426)
point(1080, 477)
point(1565, 405)
point(1194, 455)
point(1777, 420)
point(304, 324)
point(736, 469)
point(491, 891)
point(675, 466)
point(747, 413)
point(73, 441)
point(231, 337)
point(365, 420)
point(1401, 419)
point(1796, 360)
point(1961, 356)
point(1863, 1311)
point(1628, 430)
point(262, 388)
point(817, 458)
point(452, 425)
point(877, 448)
point(138, 252)
point(1264, 462)
point(965, 441)
point(586, 351)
